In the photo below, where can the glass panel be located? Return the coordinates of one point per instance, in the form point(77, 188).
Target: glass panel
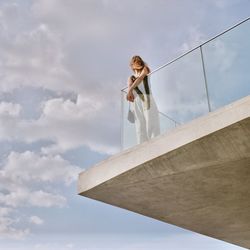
point(166, 124)
point(227, 60)
point(128, 128)
point(128, 132)
point(179, 88)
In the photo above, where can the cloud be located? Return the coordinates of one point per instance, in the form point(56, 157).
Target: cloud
point(222, 53)
point(223, 4)
point(38, 168)
point(55, 246)
point(78, 123)
point(9, 109)
point(194, 38)
point(29, 180)
point(4, 211)
point(37, 52)
point(23, 184)
point(8, 225)
point(25, 198)
point(69, 124)
point(53, 58)
point(36, 220)
point(41, 57)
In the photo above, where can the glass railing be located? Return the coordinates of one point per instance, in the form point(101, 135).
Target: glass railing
point(203, 79)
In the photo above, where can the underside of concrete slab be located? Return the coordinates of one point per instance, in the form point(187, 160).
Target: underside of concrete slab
point(196, 177)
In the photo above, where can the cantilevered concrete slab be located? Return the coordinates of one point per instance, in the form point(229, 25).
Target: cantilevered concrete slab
point(196, 177)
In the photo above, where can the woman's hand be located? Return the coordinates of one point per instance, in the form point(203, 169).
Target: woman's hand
point(130, 96)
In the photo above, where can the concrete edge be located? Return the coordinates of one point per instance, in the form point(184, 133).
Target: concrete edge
point(180, 136)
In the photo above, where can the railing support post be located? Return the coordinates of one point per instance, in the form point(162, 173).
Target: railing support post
point(205, 79)
point(121, 121)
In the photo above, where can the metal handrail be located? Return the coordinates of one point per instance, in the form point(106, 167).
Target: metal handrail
point(175, 59)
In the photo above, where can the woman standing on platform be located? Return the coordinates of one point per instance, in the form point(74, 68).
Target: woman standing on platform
point(142, 103)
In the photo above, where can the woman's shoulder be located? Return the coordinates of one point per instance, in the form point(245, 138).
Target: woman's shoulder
point(131, 79)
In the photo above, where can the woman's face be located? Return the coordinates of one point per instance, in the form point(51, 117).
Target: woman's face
point(136, 66)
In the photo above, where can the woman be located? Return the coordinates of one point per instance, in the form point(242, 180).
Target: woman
point(142, 102)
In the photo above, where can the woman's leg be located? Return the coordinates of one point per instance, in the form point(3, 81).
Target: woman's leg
point(152, 118)
point(140, 122)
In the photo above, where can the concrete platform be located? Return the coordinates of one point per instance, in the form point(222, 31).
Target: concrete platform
point(196, 177)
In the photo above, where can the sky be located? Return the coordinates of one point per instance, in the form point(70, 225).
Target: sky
point(62, 66)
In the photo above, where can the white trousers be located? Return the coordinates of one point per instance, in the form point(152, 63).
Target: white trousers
point(147, 123)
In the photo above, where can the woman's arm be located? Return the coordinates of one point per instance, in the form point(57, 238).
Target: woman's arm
point(138, 80)
point(129, 82)
point(130, 96)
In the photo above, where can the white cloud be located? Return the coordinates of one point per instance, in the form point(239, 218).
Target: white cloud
point(55, 246)
point(44, 199)
point(23, 172)
point(9, 109)
point(8, 225)
point(29, 180)
point(194, 38)
point(70, 245)
point(4, 211)
point(29, 167)
point(24, 198)
point(220, 53)
point(45, 246)
point(40, 51)
point(223, 4)
point(69, 124)
point(37, 51)
point(36, 220)
point(78, 123)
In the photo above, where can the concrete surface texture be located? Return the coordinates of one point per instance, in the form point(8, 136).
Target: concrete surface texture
point(196, 177)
